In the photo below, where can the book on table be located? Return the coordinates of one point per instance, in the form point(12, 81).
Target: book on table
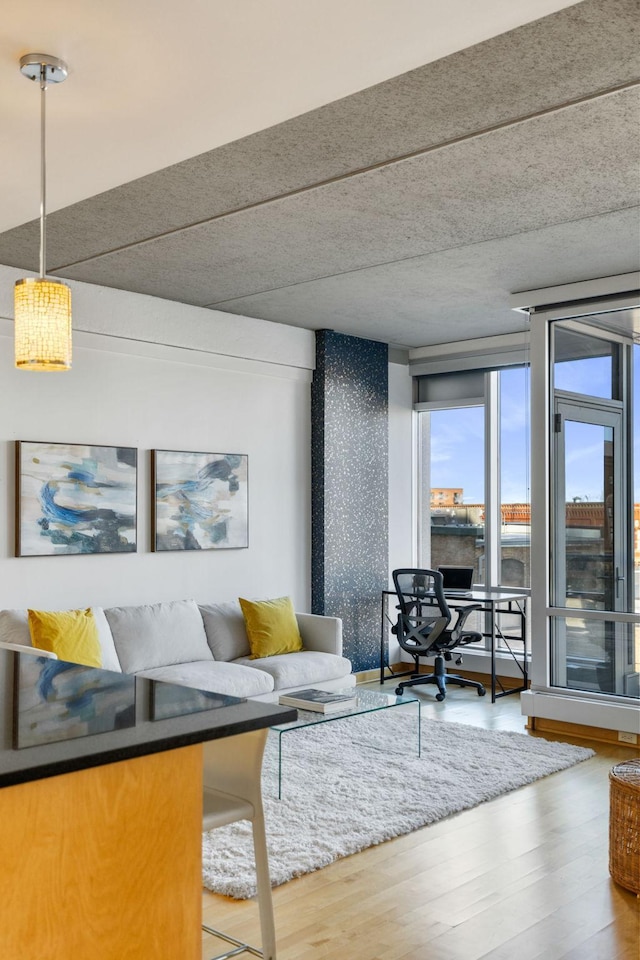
point(322, 701)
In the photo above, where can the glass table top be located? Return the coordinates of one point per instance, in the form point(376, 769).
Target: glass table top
point(367, 701)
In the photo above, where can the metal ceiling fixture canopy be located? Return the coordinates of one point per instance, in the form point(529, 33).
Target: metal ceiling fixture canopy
point(43, 305)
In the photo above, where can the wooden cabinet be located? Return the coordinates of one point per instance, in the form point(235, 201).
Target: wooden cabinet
point(104, 863)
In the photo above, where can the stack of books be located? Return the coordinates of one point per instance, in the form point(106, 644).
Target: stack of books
point(322, 701)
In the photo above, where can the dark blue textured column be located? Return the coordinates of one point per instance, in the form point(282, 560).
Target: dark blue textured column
point(350, 488)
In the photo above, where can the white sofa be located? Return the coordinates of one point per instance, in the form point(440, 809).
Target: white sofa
point(205, 646)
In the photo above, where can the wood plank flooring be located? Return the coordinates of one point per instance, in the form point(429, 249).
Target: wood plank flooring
point(523, 877)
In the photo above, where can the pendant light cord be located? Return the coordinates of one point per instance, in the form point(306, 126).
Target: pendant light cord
point(43, 170)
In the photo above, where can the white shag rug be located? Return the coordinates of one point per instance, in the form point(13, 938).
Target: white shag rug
point(352, 784)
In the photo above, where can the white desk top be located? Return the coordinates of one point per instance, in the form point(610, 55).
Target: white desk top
point(479, 595)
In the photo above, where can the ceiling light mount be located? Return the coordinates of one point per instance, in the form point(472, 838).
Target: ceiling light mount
point(32, 65)
point(42, 311)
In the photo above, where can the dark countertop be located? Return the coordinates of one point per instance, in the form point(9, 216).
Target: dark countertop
point(44, 699)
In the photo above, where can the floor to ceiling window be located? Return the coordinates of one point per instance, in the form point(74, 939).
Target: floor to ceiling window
point(474, 478)
point(456, 488)
point(515, 480)
point(591, 512)
point(586, 553)
point(635, 406)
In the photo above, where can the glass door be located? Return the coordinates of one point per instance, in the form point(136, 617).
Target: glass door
point(590, 507)
point(590, 544)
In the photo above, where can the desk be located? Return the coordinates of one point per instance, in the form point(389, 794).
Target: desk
point(492, 603)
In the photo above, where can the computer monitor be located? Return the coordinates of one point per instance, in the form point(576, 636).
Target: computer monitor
point(457, 578)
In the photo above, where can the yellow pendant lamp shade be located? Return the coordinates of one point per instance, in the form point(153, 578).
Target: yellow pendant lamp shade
point(42, 324)
point(42, 306)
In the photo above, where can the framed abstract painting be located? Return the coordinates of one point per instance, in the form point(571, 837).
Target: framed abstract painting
point(75, 498)
point(200, 500)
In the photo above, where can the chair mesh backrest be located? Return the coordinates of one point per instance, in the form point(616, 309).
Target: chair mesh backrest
point(423, 608)
point(412, 584)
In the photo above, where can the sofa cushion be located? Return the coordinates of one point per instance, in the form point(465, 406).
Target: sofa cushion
point(214, 676)
point(225, 630)
point(14, 628)
point(107, 646)
point(158, 634)
point(272, 627)
point(71, 634)
point(302, 670)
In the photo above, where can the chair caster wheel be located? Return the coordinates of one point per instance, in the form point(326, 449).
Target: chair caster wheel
point(399, 691)
point(481, 692)
point(440, 697)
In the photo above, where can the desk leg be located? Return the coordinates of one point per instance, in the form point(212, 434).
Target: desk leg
point(519, 611)
point(493, 652)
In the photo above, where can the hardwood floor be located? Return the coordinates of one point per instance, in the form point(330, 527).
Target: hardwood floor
point(523, 877)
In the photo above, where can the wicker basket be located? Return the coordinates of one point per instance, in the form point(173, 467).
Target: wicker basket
point(624, 825)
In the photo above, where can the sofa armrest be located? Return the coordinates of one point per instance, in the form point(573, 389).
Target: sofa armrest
point(23, 648)
point(322, 634)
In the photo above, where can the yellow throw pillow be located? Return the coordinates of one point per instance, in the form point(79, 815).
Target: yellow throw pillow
point(71, 634)
point(271, 627)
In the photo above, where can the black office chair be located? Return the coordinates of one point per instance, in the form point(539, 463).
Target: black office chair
point(423, 628)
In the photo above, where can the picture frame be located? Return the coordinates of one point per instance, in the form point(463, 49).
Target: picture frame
point(75, 499)
point(200, 500)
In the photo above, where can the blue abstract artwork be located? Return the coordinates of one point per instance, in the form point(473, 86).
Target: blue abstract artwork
point(56, 700)
point(200, 499)
point(75, 499)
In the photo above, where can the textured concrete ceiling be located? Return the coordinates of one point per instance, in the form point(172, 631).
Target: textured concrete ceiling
point(407, 212)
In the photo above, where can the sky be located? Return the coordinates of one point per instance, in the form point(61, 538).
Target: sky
point(457, 437)
point(457, 444)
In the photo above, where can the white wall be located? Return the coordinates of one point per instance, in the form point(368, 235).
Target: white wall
point(402, 468)
point(402, 477)
point(129, 393)
point(214, 382)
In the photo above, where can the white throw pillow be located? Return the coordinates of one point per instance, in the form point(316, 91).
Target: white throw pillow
point(107, 646)
point(158, 634)
point(225, 628)
point(14, 627)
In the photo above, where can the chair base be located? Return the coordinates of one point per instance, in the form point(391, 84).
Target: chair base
point(238, 945)
point(441, 678)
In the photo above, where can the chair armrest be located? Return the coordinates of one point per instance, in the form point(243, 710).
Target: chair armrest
point(463, 613)
point(23, 648)
point(322, 634)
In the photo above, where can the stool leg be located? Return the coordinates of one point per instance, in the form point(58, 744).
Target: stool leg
point(265, 902)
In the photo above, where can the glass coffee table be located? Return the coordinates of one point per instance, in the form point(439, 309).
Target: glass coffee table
point(367, 701)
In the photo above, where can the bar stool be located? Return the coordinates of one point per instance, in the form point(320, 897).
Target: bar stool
point(232, 791)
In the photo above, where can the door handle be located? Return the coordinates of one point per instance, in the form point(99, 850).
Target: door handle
point(619, 580)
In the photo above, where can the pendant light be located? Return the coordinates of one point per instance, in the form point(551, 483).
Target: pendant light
point(42, 306)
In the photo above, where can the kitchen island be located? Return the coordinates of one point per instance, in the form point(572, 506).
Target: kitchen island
point(100, 832)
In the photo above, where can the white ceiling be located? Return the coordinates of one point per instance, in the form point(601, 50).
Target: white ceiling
point(391, 169)
point(153, 82)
